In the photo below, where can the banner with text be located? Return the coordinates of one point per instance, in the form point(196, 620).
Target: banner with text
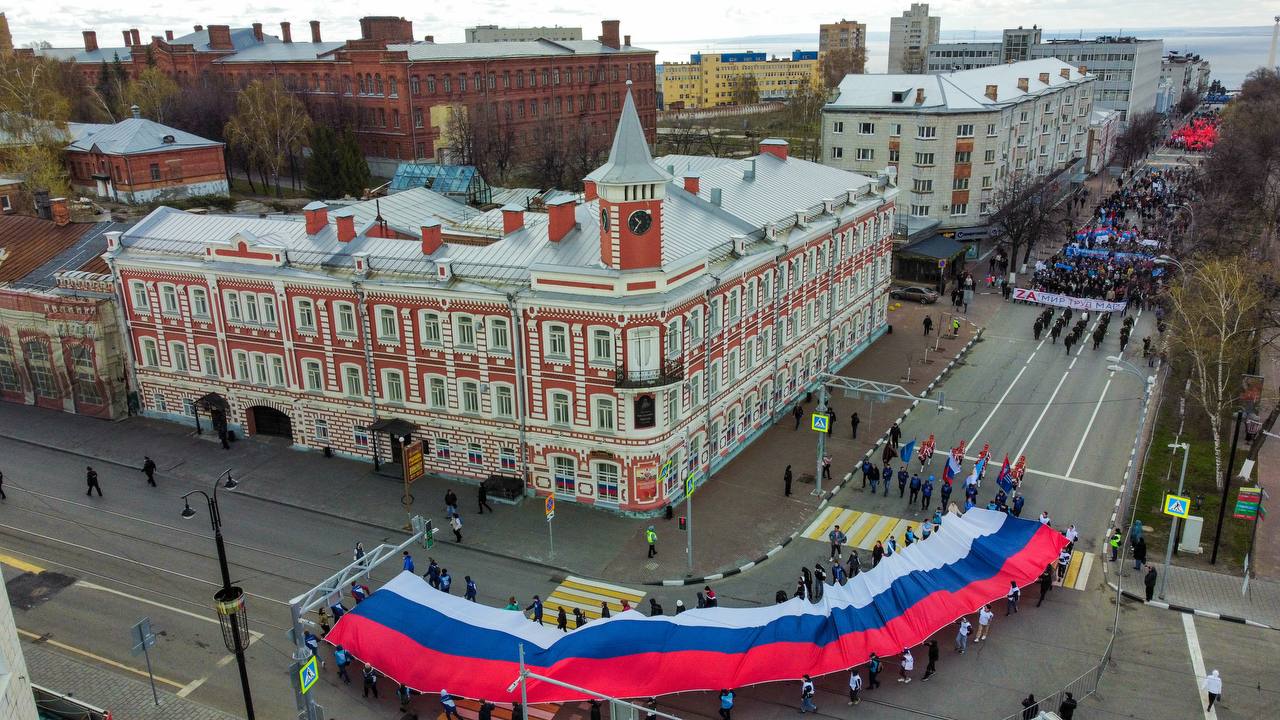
point(1075, 303)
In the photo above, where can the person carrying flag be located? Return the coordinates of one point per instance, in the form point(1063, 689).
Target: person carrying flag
point(926, 453)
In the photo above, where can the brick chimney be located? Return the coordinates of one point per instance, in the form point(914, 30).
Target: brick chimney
point(1023, 84)
point(776, 147)
point(60, 211)
point(609, 33)
point(346, 218)
point(691, 183)
point(512, 218)
point(993, 92)
point(432, 237)
point(128, 37)
point(1044, 78)
point(286, 34)
point(561, 218)
point(90, 40)
point(220, 37)
point(1084, 70)
point(588, 190)
point(257, 32)
point(1065, 73)
point(386, 28)
point(197, 28)
point(626, 41)
point(317, 215)
point(315, 31)
point(919, 96)
point(134, 38)
point(168, 35)
point(429, 38)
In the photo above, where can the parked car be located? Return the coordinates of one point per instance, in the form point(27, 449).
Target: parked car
point(922, 295)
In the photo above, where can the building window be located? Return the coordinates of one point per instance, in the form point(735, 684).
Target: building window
point(837, 153)
point(894, 154)
point(560, 408)
point(388, 332)
point(606, 476)
point(8, 369)
point(305, 314)
point(470, 397)
point(250, 308)
point(960, 183)
point(84, 376)
point(442, 448)
point(437, 394)
point(169, 299)
point(504, 401)
point(964, 130)
point(673, 338)
point(964, 157)
point(155, 171)
point(150, 352)
point(138, 291)
point(208, 360)
point(920, 185)
point(895, 129)
point(564, 471)
point(464, 332)
point(603, 412)
point(601, 345)
point(277, 371)
point(866, 128)
point(837, 127)
point(924, 159)
point(199, 303)
point(233, 306)
point(920, 211)
point(178, 356)
point(506, 455)
point(864, 154)
point(499, 335)
point(715, 317)
point(312, 375)
point(242, 365)
point(991, 129)
point(959, 208)
point(926, 132)
point(352, 384)
point(320, 430)
point(431, 329)
point(557, 342)
point(989, 156)
point(475, 455)
point(345, 314)
point(393, 386)
point(259, 368)
point(360, 436)
point(268, 310)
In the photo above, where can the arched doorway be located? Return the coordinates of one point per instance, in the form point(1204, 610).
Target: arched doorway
point(265, 420)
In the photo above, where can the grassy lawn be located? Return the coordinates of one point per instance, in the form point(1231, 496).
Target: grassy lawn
point(1160, 476)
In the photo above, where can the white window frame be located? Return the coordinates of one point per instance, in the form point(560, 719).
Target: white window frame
point(150, 354)
point(312, 369)
point(268, 309)
point(198, 298)
point(866, 128)
point(437, 392)
point(388, 325)
point(604, 413)
point(555, 398)
point(349, 379)
point(208, 360)
point(141, 299)
point(469, 396)
point(431, 333)
point(464, 331)
point(304, 315)
point(504, 401)
point(555, 344)
point(278, 376)
point(240, 365)
point(602, 348)
point(499, 330)
point(344, 320)
point(393, 389)
point(178, 357)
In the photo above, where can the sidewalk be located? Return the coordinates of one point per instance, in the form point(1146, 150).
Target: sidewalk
point(1266, 554)
point(739, 514)
point(125, 698)
point(1209, 593)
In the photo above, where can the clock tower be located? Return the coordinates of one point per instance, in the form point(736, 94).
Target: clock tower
point(631, 189)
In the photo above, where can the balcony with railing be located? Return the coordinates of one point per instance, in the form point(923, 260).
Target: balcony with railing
point(671, 371)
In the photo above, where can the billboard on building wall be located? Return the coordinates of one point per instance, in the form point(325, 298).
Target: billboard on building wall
point(414, 462)
point(646, 482)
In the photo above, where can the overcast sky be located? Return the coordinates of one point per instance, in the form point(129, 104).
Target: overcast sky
point(647, 21)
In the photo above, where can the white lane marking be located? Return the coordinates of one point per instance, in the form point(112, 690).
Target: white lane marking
point(1197, 663)
point(1073, 363)
point(135, 562)
point(1056, 476)
point(995, 409)
point(1043, 412)
point(1033, 355)
point(134, 597)
point(191, 687)
point(1087, 428)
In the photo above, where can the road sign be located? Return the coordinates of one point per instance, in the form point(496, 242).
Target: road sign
point(820, 422)
point(551, 507)
point(414, 466)
point(942, 264)
point(1247, 503)
point(1177, 506)
point(307, 674)
point(664, 474)
point(690, 484)
point(142, 636)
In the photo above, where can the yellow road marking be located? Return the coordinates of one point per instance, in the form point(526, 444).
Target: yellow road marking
point(18, 564)
point(1073, 569)
point(97, 658)
point(587, 595)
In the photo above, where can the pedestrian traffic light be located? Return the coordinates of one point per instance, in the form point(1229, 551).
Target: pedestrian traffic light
point(683, 525)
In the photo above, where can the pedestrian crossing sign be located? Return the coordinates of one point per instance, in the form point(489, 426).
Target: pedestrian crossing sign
point(1177, 506)
point(307, 674)
point(820, 422)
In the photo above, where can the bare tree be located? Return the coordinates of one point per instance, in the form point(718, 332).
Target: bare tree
point(33, 114)
point(1216, 306)
point(154, 93)
point(1138, 137)
point(1026, 213)
point(839, 62)
point(804, 119)
point(547, 159)
point(680, 136)
point(745, 89)
point(459, 138)
point(269, 125)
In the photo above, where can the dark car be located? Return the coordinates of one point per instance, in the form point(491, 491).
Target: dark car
point(922, 295)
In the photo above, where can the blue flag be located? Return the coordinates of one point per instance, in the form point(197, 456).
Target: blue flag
point(908, 451)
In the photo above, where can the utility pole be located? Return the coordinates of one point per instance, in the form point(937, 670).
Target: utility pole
point(1226, 488)
point(1173, 528)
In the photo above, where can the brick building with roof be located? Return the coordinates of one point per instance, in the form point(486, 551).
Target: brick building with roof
point(139, 161)
point(397, 92)
point(60, 335)
point(603, 351)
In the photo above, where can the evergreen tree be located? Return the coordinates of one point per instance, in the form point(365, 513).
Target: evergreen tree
point(353, 171)
point(323, 178)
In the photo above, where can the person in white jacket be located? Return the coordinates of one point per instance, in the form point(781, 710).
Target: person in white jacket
point(1213, 685)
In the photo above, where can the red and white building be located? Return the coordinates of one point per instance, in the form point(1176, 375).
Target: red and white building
point(670, 314)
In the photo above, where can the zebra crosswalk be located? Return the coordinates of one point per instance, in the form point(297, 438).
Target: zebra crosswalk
point(470, 710)
point(1077, 577)
point(863, 529)
point(576, 592)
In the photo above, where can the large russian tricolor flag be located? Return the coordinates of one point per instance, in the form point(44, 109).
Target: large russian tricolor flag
point(431, 640)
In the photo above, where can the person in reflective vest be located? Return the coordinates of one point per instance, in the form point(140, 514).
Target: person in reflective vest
point(651, 537)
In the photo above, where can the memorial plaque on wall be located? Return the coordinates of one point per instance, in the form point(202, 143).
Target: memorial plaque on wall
point(645, 411)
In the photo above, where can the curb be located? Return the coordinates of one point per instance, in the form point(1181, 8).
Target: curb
point(830, 494)
point(1188, 610)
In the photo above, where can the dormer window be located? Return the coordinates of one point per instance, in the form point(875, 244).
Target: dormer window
point(899, 96)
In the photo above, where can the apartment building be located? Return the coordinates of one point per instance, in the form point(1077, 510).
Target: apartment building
point(1014, 46)
point(709, 79)
point(1127, 69)
point(952, 138)
point(844, 34)
point(909, 37)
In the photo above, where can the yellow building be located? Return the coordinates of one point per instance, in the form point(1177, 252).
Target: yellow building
point(708, 79)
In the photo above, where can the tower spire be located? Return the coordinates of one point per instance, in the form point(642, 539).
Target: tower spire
point(629, 159)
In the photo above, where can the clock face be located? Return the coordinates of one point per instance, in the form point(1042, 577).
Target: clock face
point(604, 220)
point(639, 222)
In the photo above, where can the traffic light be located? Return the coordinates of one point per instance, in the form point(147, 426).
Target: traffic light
point(683, 523)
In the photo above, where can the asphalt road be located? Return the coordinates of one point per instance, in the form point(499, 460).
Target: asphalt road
point(111, 560)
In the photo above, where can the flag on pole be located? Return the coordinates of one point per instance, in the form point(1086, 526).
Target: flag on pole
point(908, 450)
point(951, 469)
point(1005, 478)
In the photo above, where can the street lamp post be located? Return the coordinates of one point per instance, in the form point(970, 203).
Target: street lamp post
point(1173, 528)
point(229, 600)
point(1148, 385)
